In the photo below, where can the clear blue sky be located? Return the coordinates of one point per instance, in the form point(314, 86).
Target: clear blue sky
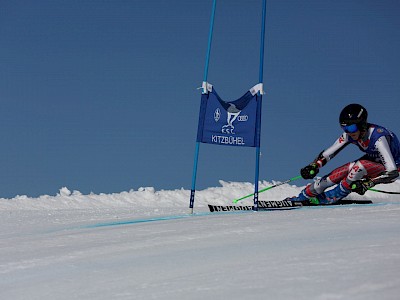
point(101, 96)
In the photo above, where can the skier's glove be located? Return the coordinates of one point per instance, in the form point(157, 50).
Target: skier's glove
point(361, 186)
point(309, 171)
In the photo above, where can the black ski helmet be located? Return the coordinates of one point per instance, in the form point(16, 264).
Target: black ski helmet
point(354, 114)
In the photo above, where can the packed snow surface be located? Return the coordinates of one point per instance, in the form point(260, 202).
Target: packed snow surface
point(144, 244)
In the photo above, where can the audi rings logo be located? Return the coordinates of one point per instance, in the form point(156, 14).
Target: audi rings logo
point(217, 115)
point(243, 118)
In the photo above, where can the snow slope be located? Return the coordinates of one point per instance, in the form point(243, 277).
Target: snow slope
point(144, 245)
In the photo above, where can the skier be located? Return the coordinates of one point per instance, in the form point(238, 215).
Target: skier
point(380, 164)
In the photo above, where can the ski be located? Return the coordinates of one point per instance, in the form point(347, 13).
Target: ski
point(279, 205)
point(340, 202)
point(262, 205)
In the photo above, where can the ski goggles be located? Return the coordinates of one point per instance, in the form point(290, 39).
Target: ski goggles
point(350, 128)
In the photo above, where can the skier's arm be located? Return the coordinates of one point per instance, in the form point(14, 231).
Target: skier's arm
point(388, 176)
point(332, 151)
point(386, 157)
point(311, 170)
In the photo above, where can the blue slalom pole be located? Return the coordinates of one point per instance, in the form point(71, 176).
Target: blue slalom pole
point(261, 71)
point(210, 35)
point(196, 154)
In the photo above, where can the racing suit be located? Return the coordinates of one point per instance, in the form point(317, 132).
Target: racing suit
point(381, 163)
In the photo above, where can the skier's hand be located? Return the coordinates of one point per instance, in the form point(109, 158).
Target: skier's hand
point(361, 186)
point(309, 171)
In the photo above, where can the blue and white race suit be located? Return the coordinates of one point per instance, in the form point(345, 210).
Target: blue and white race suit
point(381, 161)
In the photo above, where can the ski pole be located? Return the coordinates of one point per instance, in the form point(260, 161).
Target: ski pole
point(385, 192)
point(267, 188)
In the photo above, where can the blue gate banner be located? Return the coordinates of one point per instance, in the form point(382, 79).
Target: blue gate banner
point(234, 123)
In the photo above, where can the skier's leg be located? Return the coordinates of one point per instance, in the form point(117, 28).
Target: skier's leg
point(316, 189)
point(359, 170)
